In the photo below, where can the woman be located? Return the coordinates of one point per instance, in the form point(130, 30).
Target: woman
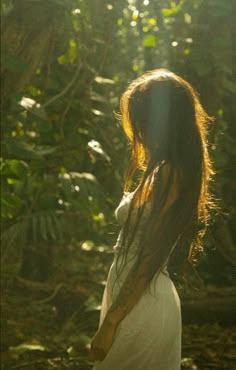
point(140, 324)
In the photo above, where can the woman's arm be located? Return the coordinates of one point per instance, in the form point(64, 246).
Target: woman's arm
point(130, 293)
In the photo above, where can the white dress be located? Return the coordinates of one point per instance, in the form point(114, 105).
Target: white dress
point(149, 337)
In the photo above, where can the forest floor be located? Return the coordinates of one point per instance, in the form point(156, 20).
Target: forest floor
point(48, 325)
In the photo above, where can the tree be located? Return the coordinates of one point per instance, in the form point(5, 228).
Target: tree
point(64, 65)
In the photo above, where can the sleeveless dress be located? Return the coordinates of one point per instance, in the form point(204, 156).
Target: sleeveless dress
point(149, 337)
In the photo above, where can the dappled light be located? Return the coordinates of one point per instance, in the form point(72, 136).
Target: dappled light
point(65, 64)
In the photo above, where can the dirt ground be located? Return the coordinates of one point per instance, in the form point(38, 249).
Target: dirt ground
point(48, 325)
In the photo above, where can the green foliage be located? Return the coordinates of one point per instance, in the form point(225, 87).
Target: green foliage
point(64, 155)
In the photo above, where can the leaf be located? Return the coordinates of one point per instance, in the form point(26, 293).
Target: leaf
point(97, 112)
point(58, 227)
point(103, 80)
point(91, 304)
point(21, 348)
point(15, 166)
point(96, 147)
point(152, 21)
point(13, 63)
point(62, 59)
point(33, 107)
point(67, 186)
point(19, 148)
point(10, 204)
point(43, 227)
point(72, 51)
point(166, 12)
point(14, 235)
point(41, 151)
point(98, 97)
point(149, 41)
point(230, 86)
point(51, 228)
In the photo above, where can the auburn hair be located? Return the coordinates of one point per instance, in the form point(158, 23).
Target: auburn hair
point(167, 129)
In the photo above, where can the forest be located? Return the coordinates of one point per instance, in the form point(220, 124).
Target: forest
point(64, 66)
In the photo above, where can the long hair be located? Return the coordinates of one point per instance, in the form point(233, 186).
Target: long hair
point(167, 130)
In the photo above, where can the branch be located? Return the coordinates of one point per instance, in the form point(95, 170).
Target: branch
point(66, 88)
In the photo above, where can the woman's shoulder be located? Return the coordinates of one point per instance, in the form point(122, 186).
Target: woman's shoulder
point(122, 210)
